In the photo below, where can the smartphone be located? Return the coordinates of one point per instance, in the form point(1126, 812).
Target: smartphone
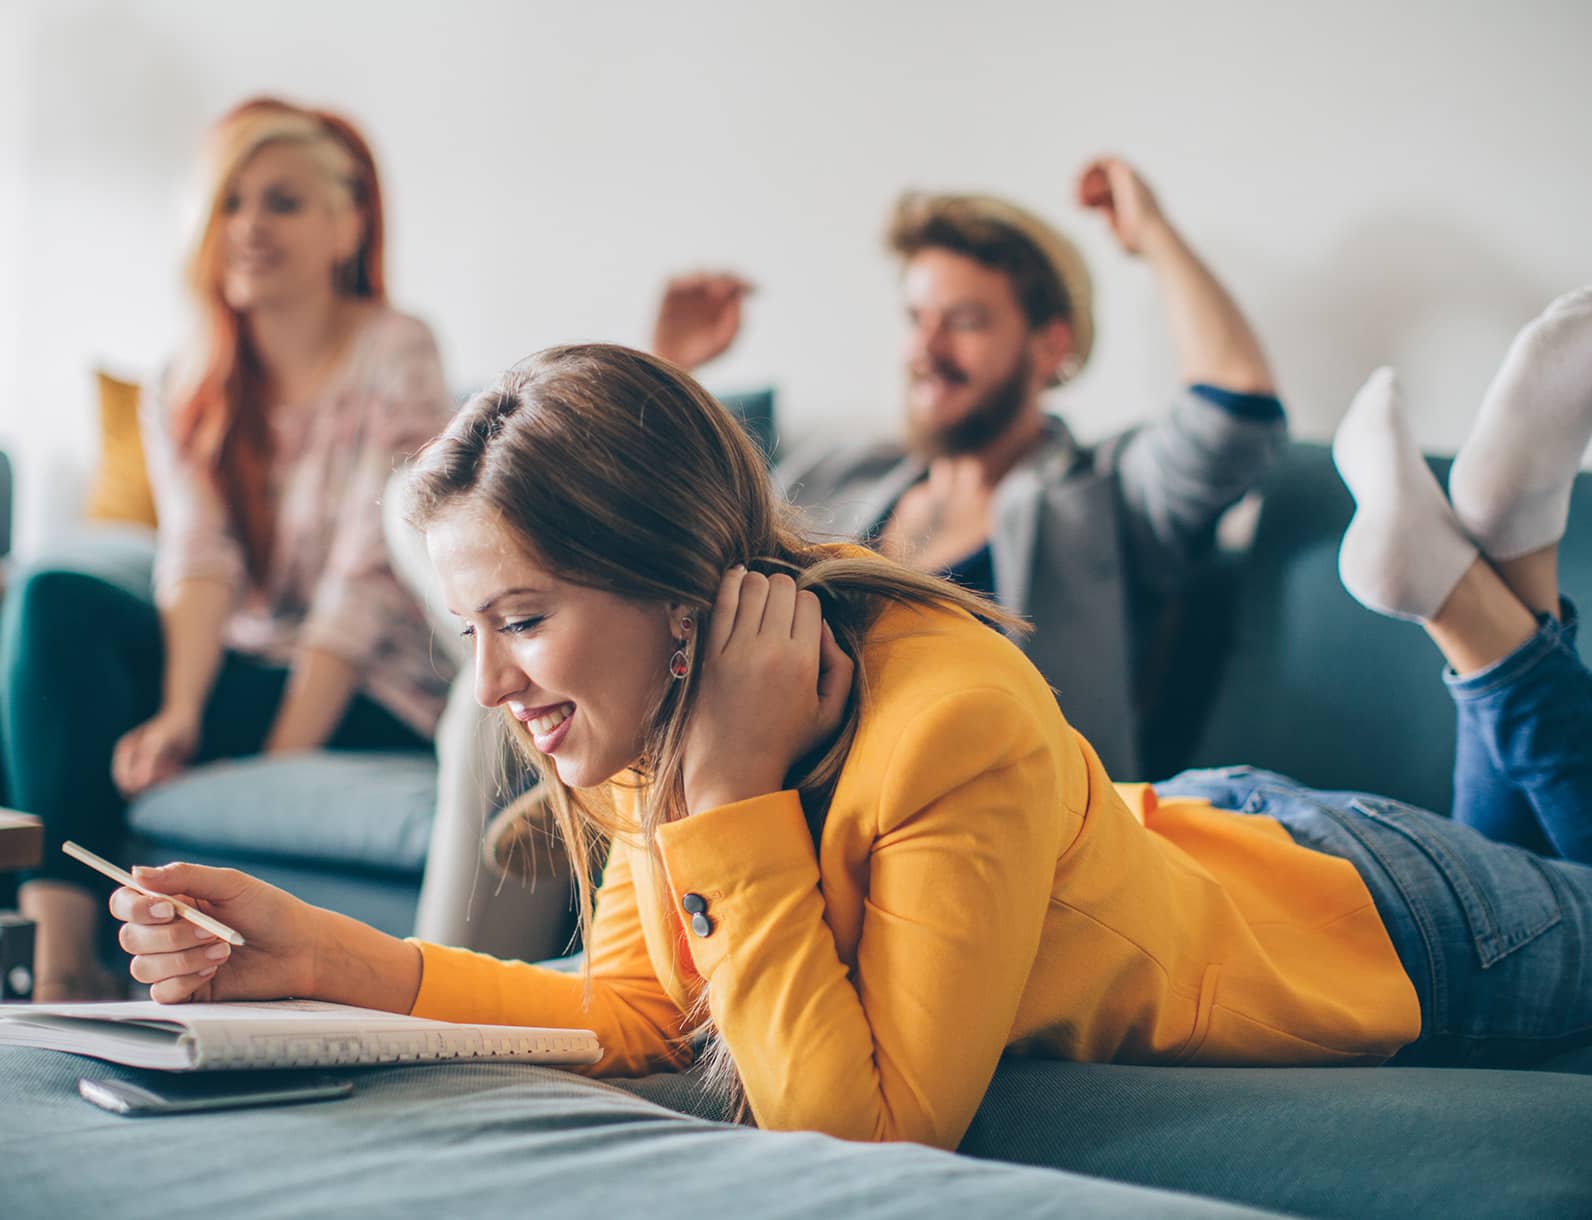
point(193, 1092)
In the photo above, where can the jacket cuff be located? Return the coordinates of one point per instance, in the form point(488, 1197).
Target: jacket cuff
point(1261, 408)
point(730, 869)
point(445, 976)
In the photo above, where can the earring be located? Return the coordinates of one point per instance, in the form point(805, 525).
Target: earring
point(679, 663)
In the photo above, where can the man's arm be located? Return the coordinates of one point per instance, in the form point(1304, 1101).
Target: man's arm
point(1181, 472)
point(1178, 475)
point(1215, 344)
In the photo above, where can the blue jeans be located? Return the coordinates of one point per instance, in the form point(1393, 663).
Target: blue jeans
point(1496, 940)
point(1523, 757)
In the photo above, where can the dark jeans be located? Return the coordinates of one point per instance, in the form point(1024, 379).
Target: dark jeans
point(81, 663)
point(1523, 758)
point(1495, 939)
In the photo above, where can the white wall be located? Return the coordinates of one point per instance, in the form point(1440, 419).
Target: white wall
point(1377, 182)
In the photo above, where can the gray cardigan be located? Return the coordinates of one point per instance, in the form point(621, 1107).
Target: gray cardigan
point(1087, 543)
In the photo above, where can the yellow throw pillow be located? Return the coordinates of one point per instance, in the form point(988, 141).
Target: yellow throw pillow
point(121, 485)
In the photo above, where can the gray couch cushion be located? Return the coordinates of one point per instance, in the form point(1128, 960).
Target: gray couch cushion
point(489, 1140)
point(1357, 1143)
point(349, 810)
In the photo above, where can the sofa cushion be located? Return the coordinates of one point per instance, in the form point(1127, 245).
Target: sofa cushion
point(488, 1140)
point(1356, 1143)
point(121, 490)
point(349, 810)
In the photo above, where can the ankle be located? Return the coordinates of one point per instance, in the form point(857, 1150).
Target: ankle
point(1480, 623)
point(1534, 579)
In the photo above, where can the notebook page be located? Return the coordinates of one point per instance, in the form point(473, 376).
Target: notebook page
point(287, 1033)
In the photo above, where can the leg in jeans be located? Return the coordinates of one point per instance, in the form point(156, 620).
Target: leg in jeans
point(1483, 798)
point(1524, 728)
point(1494, 938)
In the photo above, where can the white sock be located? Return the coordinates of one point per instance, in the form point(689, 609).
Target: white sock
point(1511, 481)
point(1404, 551)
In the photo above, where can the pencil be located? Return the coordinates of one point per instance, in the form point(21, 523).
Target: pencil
point(101, 865)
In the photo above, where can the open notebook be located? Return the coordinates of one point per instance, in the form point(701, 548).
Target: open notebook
point(278, 1034)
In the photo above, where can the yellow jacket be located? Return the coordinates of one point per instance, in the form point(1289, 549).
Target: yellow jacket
point(979, 887)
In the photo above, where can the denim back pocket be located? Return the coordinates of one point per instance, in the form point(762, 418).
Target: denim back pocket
point(1507, 898)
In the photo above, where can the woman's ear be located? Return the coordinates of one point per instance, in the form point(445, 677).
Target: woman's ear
point(682, 621)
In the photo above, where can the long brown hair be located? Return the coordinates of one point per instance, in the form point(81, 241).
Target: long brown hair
point(219, 420)
point(619, 472)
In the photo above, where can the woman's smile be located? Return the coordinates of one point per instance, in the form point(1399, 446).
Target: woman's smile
point(548, 724)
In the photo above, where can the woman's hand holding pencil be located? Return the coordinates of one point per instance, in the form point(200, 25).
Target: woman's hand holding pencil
point(183, 956)
point(194, 916)
point(214, 934)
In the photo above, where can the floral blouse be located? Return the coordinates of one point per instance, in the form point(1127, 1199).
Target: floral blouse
point(329, 584)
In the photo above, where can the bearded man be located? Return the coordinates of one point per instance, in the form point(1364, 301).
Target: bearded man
point(1090, 543)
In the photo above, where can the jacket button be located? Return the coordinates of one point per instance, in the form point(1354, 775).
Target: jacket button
point(694, 904)
point(701, 924)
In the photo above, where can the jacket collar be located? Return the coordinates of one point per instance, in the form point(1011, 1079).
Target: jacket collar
point(1014, 528)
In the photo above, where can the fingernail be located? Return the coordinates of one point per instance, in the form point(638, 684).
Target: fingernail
point(207, 972)
point(218, 953)
point(203, 933)
point(162, 910)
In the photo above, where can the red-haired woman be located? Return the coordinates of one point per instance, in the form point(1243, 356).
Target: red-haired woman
point(280, 625)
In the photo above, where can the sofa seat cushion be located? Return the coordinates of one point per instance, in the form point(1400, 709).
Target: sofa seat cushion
point(341, 809)
point(1350, 1143)
point(490, 1140)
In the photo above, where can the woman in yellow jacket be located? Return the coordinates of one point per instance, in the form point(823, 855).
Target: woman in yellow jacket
point(852, 840)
